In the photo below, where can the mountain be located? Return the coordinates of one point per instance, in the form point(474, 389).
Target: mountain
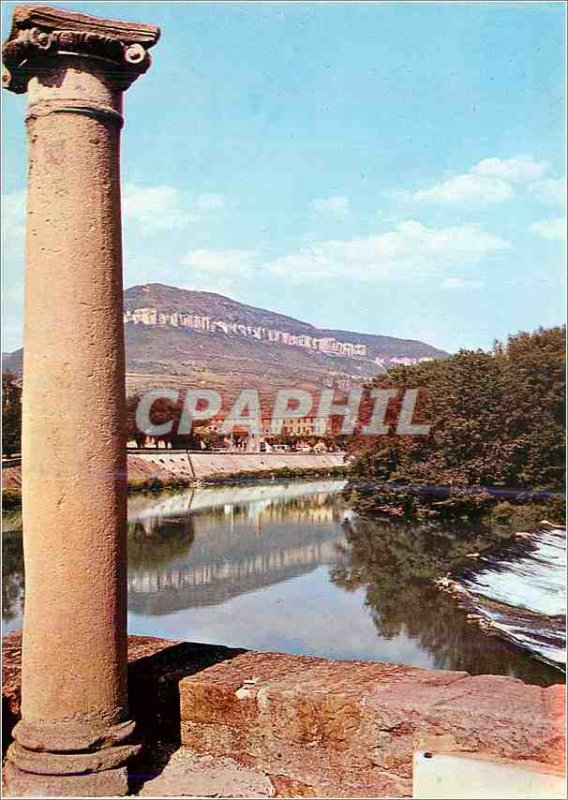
point(181, 337)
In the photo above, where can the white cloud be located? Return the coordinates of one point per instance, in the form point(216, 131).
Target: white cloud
point(13, 240)
point(518, 168)
point(489, 181)
point(337, 206)
point(156, 207)
point(551, 190)
point(461, 283)
point(411, 250)
point(220, 271)
point(13, 293)
point(551, 228)
point(230, 287)
point(166, 207)
point(465, 189)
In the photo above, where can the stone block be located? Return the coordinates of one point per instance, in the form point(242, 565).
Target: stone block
point(350, 728)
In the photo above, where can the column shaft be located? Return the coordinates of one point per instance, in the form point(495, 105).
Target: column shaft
point(73, 450)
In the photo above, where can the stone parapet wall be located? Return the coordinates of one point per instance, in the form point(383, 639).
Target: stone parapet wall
point(349, 728)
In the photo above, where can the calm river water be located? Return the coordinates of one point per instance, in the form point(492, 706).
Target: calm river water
point(286, 567)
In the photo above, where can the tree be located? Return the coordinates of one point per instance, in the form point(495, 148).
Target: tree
point(496, 421)
point(11, 414)
point(132, 431)
point(163, 411)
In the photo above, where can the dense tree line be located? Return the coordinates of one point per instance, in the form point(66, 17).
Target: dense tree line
point(496, 421)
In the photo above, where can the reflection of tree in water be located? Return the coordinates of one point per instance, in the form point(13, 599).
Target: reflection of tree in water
point(396, 563)
point(154, 542)
point(12, 575)
point(151, 543)
point(12, 520)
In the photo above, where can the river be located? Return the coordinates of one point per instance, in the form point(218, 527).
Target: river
point(287, 567)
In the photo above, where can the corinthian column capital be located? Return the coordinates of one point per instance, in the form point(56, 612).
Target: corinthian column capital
point(41, 34)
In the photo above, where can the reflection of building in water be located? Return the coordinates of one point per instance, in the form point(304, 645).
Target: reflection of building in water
point(239, 548)
point(208, 584)
point(141, 506)
point(301, 513)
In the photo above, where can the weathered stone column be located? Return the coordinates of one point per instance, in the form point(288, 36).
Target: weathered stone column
point(75, 735)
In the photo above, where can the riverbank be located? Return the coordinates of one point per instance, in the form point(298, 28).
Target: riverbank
point(284, 566)
point(154, 470)
point(516, 509)
point(506, 579)
point(340, 657)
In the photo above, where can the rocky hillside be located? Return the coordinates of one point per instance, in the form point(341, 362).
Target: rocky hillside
point(170, 299)
point(189, 337)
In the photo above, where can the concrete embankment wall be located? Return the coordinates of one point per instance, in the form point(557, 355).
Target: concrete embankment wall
point(188, 466)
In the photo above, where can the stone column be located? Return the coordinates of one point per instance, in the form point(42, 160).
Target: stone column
point(75, 735)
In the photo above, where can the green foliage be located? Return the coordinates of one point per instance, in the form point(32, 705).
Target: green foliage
point(163, 411)
point(282, 473)
point(11, 498)
point(496, 420)
point(11, 414)
point(12, 574)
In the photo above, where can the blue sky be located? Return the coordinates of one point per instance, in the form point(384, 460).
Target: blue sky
point(389, 168)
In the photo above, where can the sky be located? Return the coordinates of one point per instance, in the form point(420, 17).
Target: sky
point(387, 168)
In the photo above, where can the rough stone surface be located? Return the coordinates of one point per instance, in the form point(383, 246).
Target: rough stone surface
point(189, 775)
point(109, 783)
point(155, 667)
point(350, 728)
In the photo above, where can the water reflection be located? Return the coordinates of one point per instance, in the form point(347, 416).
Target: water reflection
point(153, 543)
point(284, 566)
point(247, 539)
point(12, 579)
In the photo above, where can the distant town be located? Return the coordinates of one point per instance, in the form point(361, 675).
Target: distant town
point(328, 345)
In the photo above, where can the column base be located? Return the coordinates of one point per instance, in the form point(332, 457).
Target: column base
point(109, 782)
point(42, 761)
